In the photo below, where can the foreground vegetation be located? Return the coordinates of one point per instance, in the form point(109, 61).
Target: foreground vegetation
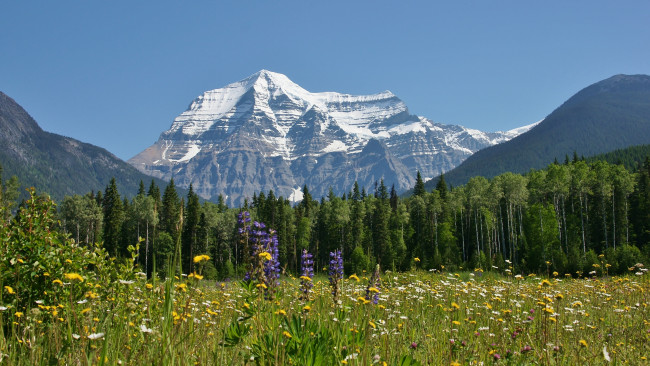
point(62, 303)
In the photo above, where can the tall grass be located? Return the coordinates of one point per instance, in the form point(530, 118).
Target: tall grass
point(421, 317)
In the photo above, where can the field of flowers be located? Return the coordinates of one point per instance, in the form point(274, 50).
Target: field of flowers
point(421, 317)
point(62, 303)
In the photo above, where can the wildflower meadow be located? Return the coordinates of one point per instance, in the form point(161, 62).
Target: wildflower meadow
point(62, 303)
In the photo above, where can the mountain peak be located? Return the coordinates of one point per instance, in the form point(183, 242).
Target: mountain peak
point(267, 132)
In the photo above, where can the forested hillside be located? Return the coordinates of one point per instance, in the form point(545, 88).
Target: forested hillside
point(557, 219)
point(57, 164)
point(631, 158)
point(608, 115)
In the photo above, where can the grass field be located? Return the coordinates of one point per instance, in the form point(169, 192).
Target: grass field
point(420, 317)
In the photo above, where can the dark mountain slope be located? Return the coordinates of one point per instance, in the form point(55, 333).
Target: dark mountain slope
point(611, 114)
point(56, 164)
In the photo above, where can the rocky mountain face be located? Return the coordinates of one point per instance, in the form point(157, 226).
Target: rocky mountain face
point(266, 132)
point(57, 164)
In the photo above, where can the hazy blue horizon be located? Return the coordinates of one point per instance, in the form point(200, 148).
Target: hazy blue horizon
point(115, 74)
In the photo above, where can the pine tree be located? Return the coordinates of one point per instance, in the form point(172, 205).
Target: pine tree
point(419, 189)
point(380, 233)
point(442, 188)
point(113, 217)
point(394, 199)
point(190, 229)
point(170, 212)
point(141, 191)
point(306, 204)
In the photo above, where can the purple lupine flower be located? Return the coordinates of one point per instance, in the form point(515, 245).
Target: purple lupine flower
point(263, 260)
point(307, 274)
point(272, 267)
point(374, 286)
point(335, 273)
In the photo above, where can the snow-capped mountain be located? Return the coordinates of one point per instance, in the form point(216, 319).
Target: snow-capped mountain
point(266, 132)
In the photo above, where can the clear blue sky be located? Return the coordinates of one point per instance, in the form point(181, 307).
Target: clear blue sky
point(116, 73)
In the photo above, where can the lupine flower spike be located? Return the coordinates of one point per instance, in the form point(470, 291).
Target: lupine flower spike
point(306, 275)
point(336, 274)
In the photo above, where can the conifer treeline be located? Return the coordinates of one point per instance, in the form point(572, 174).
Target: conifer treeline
point(558, 219)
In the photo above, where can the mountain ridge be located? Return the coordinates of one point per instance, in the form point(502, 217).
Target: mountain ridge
point(57, 164)
point(234, 140)
point(611, 114)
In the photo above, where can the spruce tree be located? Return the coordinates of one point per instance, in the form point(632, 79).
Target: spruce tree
point(307, 202)
point(141, 191)
point(419, 189)
point(113, 217)
point(170, 211)
point(441, 187)
point(394, 199)
point(190, 230)
point(380, 233)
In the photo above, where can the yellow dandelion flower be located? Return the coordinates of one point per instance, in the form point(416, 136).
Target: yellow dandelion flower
point(287, 334)
point(455, 306)
point(416, 259)
point(10, 290)
point(545, 283)
point(305, 278)
point(18, 314)
point(201, 258)
point(455, 322)
point(197, 276)
point(373, 289)
point(362, 300)
point(73, 277)
point(552, 319)
point(583, 343)
point(280, 312)
point(149, 286)
point(354, 277)
point(373, 325)
point(84, 311)
point(306, 308)
point(265, 255)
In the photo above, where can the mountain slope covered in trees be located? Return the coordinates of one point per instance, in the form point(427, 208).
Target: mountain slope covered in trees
point(608, 115)
point(56, 164)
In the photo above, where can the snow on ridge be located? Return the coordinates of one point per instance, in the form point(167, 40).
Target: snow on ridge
point(335, 145)
point(519, 130)
point(402, 129)
point(191, 152)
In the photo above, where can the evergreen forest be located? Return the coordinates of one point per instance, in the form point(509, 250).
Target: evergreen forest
point(559, 219)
